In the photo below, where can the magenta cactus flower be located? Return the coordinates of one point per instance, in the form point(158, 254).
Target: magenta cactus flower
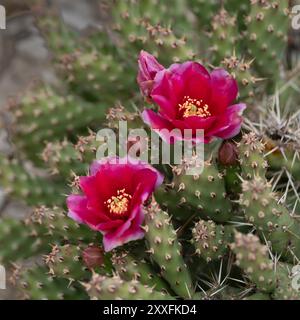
point(189, 97)
point(113, 199)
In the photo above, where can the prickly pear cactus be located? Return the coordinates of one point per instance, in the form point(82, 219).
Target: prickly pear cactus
point(138, 231)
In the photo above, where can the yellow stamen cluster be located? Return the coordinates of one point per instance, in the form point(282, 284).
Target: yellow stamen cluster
point(118, 204)
point(194, 107)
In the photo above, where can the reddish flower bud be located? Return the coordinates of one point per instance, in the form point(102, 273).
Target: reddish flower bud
point(228, 154)
point(148, 68)
point(93, 257)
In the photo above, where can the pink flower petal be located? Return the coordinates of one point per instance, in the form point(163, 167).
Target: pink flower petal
point(197, 82)
point(111, 241)
point(155, 121)
point(224, 90)
point(80, 211)
point(165, 85)
point(229, 123)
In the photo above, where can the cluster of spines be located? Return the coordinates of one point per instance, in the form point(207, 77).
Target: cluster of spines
point(211, 241)
point(251, 151)
point(242, 71)
point(66, 262)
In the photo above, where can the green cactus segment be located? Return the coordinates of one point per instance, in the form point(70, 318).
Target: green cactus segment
point(287, 283)
point(34, 284)
point(43, 115)
point(62, 158)
point(204, 194)
point(251, 156)
point(92, 74)
point(114, 288)
point(65, 157)
point(203, 10)
point(32, 189)
point(224, 35)
point(59, 39)
point(266, 36)
point(253, 258)
point(140, 26)
point(130, 268)
point(210, 240)
point(23, 239)
point(242, 71)
point(66, 262)
point(232, 180)
point(271, 219)
point(165, 250)
point(55, 225)
point(131, 11)
point(17, 241)
point(236, 6)
point(120, 113)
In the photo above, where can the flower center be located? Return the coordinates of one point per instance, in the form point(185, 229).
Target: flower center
point(194, 107)
point(118, 205)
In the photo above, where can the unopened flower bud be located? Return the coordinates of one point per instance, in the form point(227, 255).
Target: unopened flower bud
point(148, 68)
point(93, 257)
point(228, 154)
